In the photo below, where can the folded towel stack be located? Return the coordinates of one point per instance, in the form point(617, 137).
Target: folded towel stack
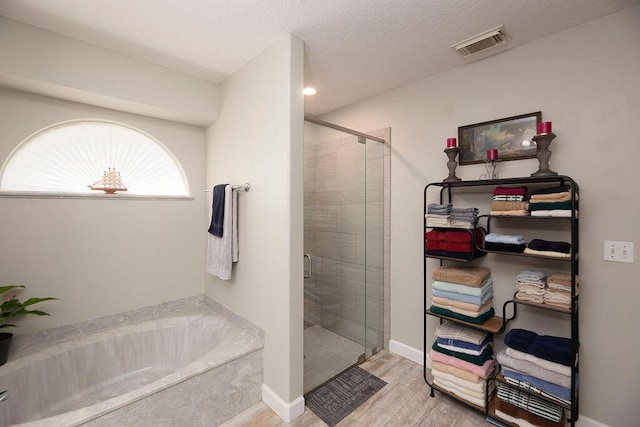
point(505, 242)
point(454, 291)
point(455, 243)
point(521, 417)
point(548, 248)
point(558, 292)
point(510, 201)
point(447, 216)
point(461, 361)
point(530, 286)
point(438, 215)
point(463, 293)
point(530, 403)
point(555, 291)
point(464, 217)
point(540, 365)
point(555, 201)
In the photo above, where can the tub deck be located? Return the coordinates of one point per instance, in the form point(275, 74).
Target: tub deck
point(205, 365)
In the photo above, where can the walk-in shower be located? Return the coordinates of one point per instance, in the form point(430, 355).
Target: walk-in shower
point(344, 222)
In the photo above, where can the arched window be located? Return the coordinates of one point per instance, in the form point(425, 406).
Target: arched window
point(71, 156)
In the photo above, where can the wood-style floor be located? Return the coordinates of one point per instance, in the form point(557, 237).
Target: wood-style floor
point(404, 401)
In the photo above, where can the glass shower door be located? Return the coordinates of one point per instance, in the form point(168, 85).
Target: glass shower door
point(335, 253)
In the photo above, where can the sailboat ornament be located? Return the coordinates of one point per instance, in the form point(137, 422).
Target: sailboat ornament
point(110, 182)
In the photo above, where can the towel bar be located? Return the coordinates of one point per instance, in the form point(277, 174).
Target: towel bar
point(246, 187)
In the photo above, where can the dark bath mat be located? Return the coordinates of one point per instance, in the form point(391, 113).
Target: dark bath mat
point(339, 397)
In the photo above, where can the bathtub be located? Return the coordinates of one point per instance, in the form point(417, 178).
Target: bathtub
point(190, 362)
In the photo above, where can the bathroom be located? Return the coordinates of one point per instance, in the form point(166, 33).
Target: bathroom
point(105, 257)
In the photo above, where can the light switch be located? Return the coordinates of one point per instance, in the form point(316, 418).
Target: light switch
point(618, 251)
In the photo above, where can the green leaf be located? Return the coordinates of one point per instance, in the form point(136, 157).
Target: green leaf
point(7, 288)
point(13, 307)
point(37, 312)
point(10, 305)
point(32, 301)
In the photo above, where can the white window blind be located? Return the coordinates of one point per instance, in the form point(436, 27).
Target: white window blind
point(68, 157)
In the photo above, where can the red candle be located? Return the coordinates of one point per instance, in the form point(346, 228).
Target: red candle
point(451, 142)
point(544, 127)
point(492, 154)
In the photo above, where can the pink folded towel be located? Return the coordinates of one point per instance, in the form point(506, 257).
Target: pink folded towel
point(483, 371)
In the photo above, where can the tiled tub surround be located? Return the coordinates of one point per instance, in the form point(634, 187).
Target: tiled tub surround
point(187, 362)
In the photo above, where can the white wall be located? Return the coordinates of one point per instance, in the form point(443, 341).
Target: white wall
point(259, 139)
point(48, 63)
point(586, 81)
point(100, 257)
point(103, 257)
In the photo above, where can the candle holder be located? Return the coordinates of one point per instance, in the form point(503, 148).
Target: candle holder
point(490, 166)
point(452, 152)
point(543, 140)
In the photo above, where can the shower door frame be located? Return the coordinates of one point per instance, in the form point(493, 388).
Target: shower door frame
point(362, 138)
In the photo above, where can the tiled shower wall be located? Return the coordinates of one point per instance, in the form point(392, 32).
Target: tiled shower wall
point(337, 226)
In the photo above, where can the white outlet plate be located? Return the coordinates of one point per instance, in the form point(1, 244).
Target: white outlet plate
point(618, 251)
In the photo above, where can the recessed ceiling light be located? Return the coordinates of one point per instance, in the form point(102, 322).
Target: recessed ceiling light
point(309, 91)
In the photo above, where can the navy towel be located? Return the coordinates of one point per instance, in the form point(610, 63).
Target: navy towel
point(217, 216)
point(554, 349)
point(545, 245)
point(552, 190)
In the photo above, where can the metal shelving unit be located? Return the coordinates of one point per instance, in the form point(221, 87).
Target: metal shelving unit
point(498, 324)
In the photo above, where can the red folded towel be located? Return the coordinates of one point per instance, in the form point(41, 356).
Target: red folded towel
point(435, 235)
point(453, 241)
point(510, 191)
point(457, 236)
point(433, 245)
point(460, 236)
point(457, 247)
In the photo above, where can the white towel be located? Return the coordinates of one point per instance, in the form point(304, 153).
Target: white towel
point(529, 275)
point(223, 251)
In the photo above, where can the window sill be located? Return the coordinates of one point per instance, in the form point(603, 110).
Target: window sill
point(89, 196)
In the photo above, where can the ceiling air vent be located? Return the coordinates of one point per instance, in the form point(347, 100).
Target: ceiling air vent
point(488, 39)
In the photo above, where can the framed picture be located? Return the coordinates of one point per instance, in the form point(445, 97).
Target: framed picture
point(510, 136)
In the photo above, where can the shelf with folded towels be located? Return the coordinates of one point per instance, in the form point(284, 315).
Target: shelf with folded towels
point(526, 255)
point(494, 324)
point(557, 194)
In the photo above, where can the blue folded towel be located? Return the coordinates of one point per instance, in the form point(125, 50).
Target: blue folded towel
point(556, 390)
point(217, 215)
point(471, 299)
point(554, 349)
point(465, 344)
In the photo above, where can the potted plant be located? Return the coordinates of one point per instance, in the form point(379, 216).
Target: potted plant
point(10, 309)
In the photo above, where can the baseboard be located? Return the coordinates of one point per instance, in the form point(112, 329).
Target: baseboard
point(287, 411)
point(588, 422)
point(408, 352)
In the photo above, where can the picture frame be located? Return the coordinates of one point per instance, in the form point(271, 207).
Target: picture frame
point(511, 136)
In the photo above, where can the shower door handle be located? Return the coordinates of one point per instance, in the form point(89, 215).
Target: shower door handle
point(310, 266)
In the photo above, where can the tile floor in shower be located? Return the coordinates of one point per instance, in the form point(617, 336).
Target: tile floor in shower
point(326, 354)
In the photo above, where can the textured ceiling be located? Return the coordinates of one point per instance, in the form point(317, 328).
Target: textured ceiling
point(354, 49)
